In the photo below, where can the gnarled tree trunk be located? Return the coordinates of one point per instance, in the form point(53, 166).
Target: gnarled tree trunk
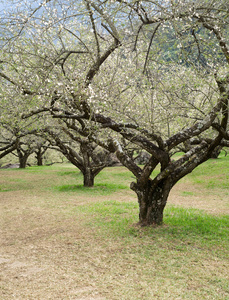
point(88, 177)
point(23, 157)
point(152, 201)
point(39, 157)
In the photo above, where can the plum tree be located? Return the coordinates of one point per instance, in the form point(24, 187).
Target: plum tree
point(148, 73)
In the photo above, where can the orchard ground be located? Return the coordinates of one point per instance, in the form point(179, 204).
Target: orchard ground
point(62, 241)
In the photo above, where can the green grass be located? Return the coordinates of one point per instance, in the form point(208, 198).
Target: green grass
point(187, 193)
point(14, 184)
point(77, 242)
point(180, 225)
point(97, 189)
point(212, 174)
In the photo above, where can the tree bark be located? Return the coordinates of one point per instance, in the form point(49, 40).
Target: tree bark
point(39, 157)
point(40, 161)
point(88, 178)
point(23, 157)
point(23, 161)
point(88, 171)
point(152, 201)
point(216, 152)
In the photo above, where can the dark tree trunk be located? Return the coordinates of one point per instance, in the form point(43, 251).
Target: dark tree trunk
point(23, 157)
point(152, 201)
point(88, 178)
point(40, 161)
point(23, 161)
point(216, 152)
point(88, 171)
point(39, 157)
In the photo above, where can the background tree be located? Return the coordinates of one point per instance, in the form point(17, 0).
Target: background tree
point(21, 144)
point(41, 147)
point(88, 157)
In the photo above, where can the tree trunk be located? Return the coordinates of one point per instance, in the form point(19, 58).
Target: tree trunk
point(216, 152)
point(88, 172)
point(39, 161)
point(152, 201)
point(23, 157)
point(39, 157)
point(88, 178)
point(23, 161)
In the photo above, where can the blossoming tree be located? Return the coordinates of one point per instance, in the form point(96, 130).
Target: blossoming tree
point(148, 73)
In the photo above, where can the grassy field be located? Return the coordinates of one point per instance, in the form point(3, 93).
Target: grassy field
point(62, 241)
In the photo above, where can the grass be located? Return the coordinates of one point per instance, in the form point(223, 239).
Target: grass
point(186, 225)
point(212, 174)
point(187, 193)
point(97, 189)
point(62, 241)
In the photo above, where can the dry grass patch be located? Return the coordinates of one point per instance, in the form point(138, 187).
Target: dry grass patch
point(84, 245)
point(187, 194)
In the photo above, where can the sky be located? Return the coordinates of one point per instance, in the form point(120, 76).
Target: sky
point(4, 4)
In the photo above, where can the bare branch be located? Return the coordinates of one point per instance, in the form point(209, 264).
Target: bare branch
point(24, 90)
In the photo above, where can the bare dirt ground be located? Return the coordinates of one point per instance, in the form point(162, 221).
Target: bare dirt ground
point(47, 253)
